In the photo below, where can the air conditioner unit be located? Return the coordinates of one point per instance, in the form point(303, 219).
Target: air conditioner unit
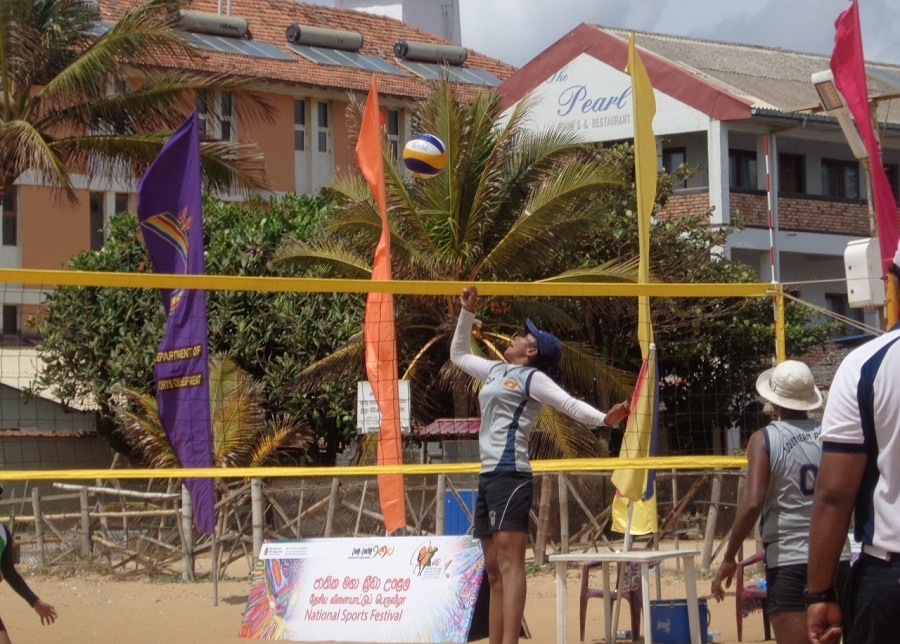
point(427, 52)
point(321, 37)
point(862, 264)
point(214, 24)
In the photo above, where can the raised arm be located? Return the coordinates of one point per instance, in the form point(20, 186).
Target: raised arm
point(547, 392)
point(460, 347)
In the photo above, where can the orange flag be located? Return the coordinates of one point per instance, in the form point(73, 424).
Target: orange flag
point(381, 342)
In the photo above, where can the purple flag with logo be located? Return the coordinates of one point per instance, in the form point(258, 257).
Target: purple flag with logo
point(170, 213)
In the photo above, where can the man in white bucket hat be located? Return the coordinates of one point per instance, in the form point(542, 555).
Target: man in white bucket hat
point(782, 461)
point(859, 476)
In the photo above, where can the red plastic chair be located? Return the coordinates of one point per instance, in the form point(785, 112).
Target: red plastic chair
point(743, 593)
point(632, 595)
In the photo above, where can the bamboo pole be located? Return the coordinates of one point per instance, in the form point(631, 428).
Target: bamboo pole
point(160, 496)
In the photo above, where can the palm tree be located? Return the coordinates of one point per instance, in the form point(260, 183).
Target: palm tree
point(510, 205)
point(242, 437)
point(58, 113)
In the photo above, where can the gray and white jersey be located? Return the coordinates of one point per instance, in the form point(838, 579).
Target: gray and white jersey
point(511, 401)
point(795, 452)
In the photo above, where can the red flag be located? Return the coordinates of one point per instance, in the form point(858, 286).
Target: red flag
point(849, 71)
point(381, 342)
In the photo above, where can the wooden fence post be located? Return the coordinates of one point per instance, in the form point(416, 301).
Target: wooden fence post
point(332, 502)
point(714, 497)
point(540, 539)
point(38, 523)
point(439, 508)
point(563, 512)
point(256, 513)
point(85, 525)
point(187, 536)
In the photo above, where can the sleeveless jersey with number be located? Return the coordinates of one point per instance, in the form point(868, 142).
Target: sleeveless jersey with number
point(795, 452)
point(505, 401)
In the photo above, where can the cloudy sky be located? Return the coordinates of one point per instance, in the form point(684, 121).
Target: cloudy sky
point(515, 31)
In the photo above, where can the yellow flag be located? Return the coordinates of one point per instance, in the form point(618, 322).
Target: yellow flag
point(640, 432)
point(644, 109)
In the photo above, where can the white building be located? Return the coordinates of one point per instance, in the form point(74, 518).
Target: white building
point(730, 112)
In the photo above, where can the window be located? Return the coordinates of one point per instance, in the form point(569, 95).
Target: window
point(216, 127)
point(225, 126)
point(121, 201)
point(10, 319)
point(97, 220)
point(299, 125)
point(393, 132)
point(742, 169)
point(322, 122)
point(840, 179)
point(791, 174)
point(10, 218)
point(672, 159)
point(837, 303)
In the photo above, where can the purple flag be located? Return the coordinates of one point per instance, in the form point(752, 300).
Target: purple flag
point(171, 217)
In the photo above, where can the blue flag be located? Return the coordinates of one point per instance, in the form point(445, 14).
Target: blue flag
point(171, 217)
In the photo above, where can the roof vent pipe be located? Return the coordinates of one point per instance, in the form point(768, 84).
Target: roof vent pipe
point(427, 52)
point(321, 37)
point(213, 24)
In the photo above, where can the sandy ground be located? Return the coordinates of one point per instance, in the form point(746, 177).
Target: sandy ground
point(100, 610)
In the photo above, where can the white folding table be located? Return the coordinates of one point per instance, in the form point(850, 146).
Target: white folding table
point(642, 557)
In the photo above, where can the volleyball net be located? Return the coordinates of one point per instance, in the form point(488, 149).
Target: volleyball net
point(53, 375)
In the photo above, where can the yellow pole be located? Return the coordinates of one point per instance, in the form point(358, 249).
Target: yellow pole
point(890, 300)
point(779, 324)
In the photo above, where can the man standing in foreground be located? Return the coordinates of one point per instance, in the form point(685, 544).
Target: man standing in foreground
point(860, 472)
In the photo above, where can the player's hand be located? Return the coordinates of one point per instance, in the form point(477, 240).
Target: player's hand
point(725, 573)
point(823, 621)
point(617, 413)
point(469, 298)
point(46, 611)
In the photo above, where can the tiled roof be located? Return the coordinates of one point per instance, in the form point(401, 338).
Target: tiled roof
point(268, 20)
point(770, 78)
point(451, 427)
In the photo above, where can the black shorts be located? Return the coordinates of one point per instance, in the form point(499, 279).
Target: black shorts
point(784, 587)
point(503, 503)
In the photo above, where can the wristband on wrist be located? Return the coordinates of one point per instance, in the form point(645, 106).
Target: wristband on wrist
point(829, 595)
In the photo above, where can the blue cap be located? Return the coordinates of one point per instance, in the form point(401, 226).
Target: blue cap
point(549, 348)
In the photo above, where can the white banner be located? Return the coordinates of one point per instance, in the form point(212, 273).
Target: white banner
point(392, 589)
point(368, 416)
